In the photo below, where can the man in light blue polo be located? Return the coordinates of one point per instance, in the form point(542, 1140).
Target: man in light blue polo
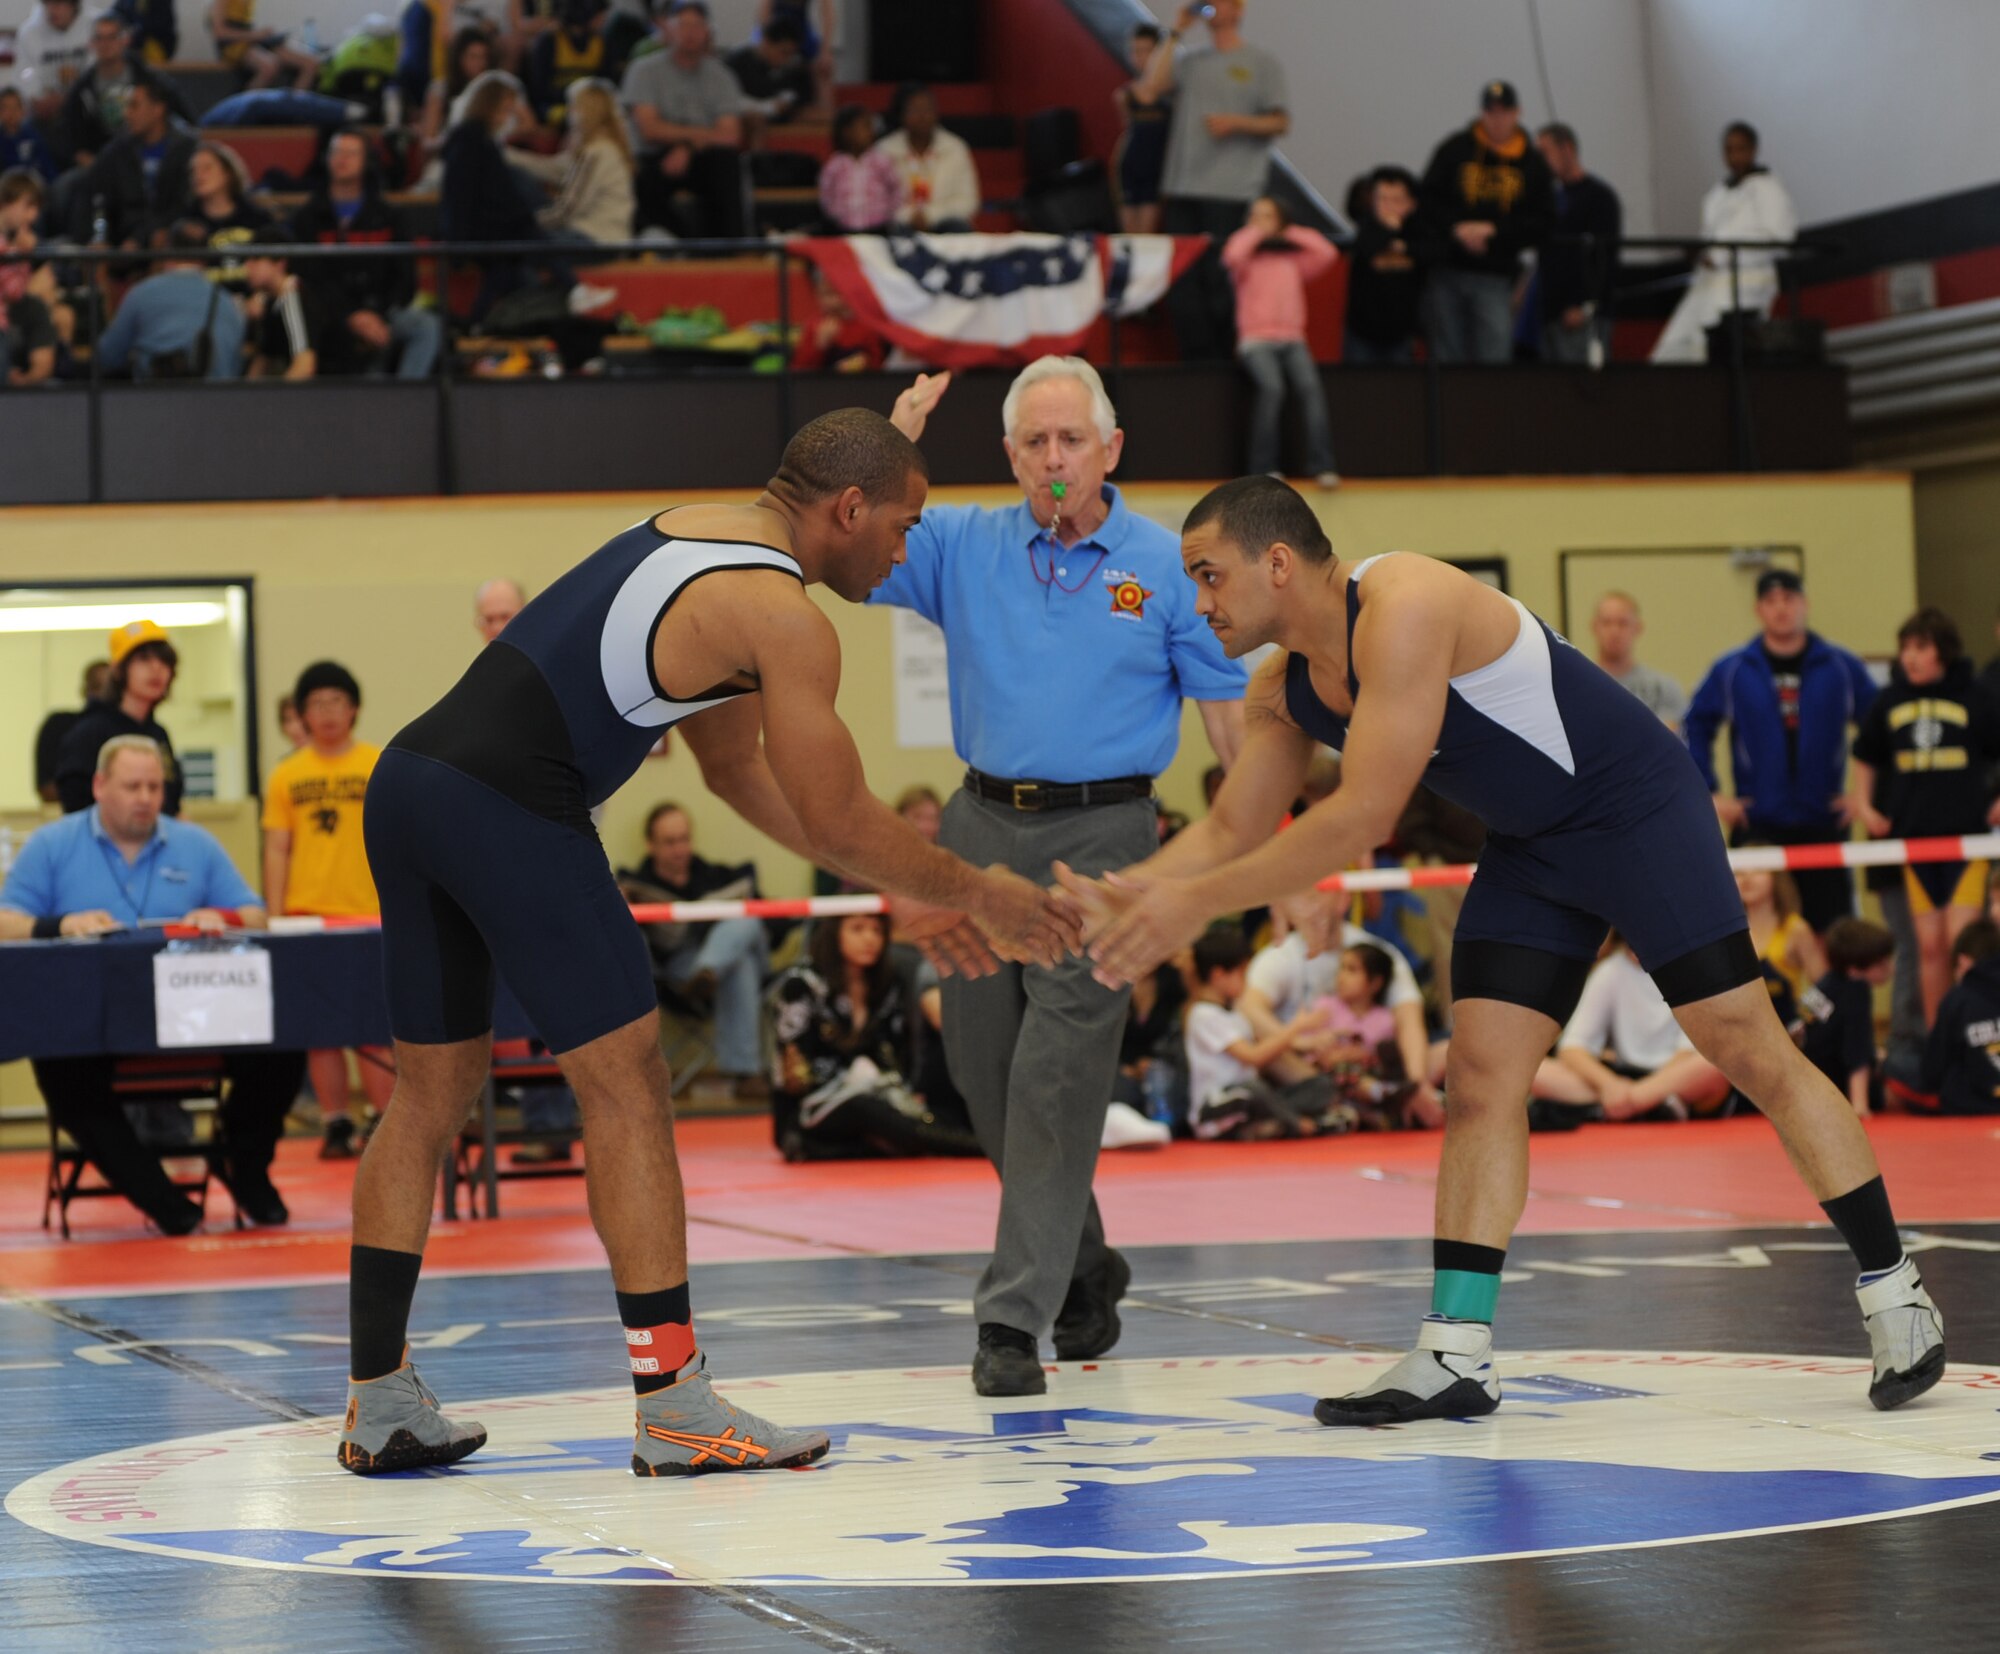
point(1072, 640)
point(115, 866)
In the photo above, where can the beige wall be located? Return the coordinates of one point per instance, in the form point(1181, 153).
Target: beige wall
point(387, 588)
point(1958, 547)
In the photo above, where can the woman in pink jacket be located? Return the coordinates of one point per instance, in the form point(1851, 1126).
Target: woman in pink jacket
point(1270, 260)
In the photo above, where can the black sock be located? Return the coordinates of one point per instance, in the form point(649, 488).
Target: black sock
point(659, 1335)
point(380, 1285)
point(1867, 1225)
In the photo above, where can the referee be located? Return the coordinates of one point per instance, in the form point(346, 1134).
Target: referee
point(1072, 639)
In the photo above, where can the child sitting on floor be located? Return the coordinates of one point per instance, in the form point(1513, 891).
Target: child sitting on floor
point(1838, 1011)
point(1228, 1097)
point(1962, 1061)
point(1358, 1045)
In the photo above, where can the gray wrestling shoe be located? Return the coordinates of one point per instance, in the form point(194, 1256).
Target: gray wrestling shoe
point(1906, 1333)
point(1449, 1375)
point(393, 1423)
point(688, 1430)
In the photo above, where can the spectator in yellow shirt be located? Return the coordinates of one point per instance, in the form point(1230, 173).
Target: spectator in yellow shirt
point(316, 863)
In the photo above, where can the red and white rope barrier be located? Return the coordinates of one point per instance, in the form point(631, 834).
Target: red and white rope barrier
point(1796, 858)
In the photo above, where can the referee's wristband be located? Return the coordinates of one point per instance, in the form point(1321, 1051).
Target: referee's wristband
point(48, 928)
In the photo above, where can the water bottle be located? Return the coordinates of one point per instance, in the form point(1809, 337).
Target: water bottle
point(1158, 1084)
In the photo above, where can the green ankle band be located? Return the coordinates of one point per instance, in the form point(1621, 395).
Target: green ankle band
point(1464, 1296)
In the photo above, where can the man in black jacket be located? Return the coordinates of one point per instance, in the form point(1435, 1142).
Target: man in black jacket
point(1489, 195)
point(93, 112)
point(140, 181)
point(1575, 284)
point(373, 323)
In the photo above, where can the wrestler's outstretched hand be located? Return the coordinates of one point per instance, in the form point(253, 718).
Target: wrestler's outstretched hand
point(1025, 922)
point(944, 936)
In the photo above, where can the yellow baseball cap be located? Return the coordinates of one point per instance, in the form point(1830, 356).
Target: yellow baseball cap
point(133, 634)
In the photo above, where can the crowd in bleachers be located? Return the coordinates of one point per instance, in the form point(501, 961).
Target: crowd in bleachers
point(580, 122)
point(835, 1026)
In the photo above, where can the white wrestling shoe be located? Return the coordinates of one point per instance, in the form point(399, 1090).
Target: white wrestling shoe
point(1449, 1375)
point(1906, 1332)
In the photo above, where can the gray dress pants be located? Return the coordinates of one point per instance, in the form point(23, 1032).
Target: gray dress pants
point(1035, 1052)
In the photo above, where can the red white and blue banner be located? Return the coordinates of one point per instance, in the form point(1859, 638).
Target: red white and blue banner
point(961, 301)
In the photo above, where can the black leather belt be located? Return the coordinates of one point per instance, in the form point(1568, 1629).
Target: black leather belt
point(1058, 795)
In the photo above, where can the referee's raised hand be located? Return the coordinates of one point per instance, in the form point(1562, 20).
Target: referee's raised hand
point(913, 407)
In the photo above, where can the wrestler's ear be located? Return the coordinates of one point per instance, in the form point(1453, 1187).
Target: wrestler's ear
point(1281, 560)
point(849, 505)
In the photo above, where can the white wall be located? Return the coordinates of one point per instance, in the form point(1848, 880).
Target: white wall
point(1375, 81)
point(1862, 104)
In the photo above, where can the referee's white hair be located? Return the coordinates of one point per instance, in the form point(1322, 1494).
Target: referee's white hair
point(1061, 367)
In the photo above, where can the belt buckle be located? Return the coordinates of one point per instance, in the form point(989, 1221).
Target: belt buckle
point(1021, 799)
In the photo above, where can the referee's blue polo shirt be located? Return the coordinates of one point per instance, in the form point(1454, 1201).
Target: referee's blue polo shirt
point(1063, 667)
point(72, 866)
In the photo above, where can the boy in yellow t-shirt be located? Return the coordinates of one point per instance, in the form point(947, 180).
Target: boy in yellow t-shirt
point(315, 862)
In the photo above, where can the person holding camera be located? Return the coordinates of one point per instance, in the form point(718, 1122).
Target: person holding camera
point(176, 324)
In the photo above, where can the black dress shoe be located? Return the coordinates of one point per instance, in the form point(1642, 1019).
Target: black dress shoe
point(1007, 1363)
point(1089, 1324)
point(258, 1200)
point(184, 1218)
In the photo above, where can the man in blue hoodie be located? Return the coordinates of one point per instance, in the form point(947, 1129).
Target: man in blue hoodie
point(1789, 698)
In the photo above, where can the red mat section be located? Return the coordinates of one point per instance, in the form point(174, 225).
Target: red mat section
point(745, 1204)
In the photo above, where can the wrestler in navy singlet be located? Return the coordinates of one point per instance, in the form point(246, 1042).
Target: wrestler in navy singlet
point(478, 814)
point(1597, 816)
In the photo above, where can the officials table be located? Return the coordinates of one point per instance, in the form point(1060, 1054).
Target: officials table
point(90, 997)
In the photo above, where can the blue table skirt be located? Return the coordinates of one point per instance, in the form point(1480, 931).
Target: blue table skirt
point(95, 997)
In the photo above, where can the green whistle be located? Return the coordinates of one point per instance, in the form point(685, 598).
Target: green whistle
point(1056, 489)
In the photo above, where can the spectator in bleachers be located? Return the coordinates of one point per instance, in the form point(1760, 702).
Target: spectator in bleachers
point(374, 323)
point(1623, 1052)
point(285, 319)
point(176, 324)
point(773, 70)
point(1230, 109)
point(1923, 762)
point(93, 111)
point(1838, 1011)
point(1230, 1093)
point(22, 145)
point(937, 183)
point(816, 22)
point(31, 333)
point(1788, 697)
point(424, 29)
point(841, 1023)
point(1617, 626)
point(220, 187)
point(154, 27)
point(688, 110)
point(859, 187)
point(529, 22)
point(139, 183)
point(1144, 121)
point(718, 965)
point(1749, 204)
point(575, 50)
point(1271, 260)
point(109, 867)
point(593, 174)
point(837, 340)
point(1384, 273)
point(50, 51)
point(470, 56)
point(1488, 196)
point(316, 863)
point(49, 738)
point(265, 54)
point(143, 664)
point(1962, 1058)
point(1574, 281)
point(1789, 954)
